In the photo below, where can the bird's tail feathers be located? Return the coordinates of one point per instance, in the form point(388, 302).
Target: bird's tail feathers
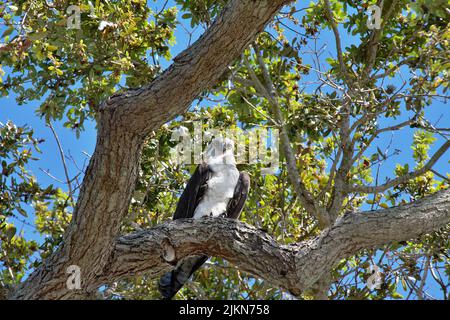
point(171, 282)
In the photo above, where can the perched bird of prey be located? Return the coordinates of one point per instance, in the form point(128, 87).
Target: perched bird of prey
point(215, 189)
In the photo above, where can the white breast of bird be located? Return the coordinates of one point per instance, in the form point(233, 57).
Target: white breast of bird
point(220, 190)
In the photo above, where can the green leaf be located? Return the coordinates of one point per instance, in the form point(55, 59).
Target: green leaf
point(22, 212)
point(384, 205)
point(7, 32)
point(10, 232)
point(397, 295)
point(52, 47)
point(404, 284)
point(37, 35)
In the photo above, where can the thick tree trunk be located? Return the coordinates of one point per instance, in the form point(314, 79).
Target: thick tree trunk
point(103, 202)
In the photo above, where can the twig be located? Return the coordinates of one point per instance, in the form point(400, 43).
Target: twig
point(61, 153)
point(402, 179)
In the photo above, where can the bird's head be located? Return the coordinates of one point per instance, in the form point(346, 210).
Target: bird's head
point(220, 151)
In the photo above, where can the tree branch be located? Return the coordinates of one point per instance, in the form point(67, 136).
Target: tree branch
point(195, 69)
point(271, 94)
point(63, 160)
point(294, 267)
point(375, 37)
point(330, 18)
point(376, 134)
point(404, 178)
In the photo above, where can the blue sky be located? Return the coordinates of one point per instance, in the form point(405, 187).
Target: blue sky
point(82, 147)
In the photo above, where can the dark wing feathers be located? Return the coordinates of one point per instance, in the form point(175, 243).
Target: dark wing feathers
point(172, 281)
point(193, 193)
point(236, 203)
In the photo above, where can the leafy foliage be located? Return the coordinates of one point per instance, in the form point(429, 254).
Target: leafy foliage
point(72, 70)
point(18, 190)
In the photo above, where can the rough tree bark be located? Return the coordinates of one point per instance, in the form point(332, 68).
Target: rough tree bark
point(293, 267)
point(92, 241)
